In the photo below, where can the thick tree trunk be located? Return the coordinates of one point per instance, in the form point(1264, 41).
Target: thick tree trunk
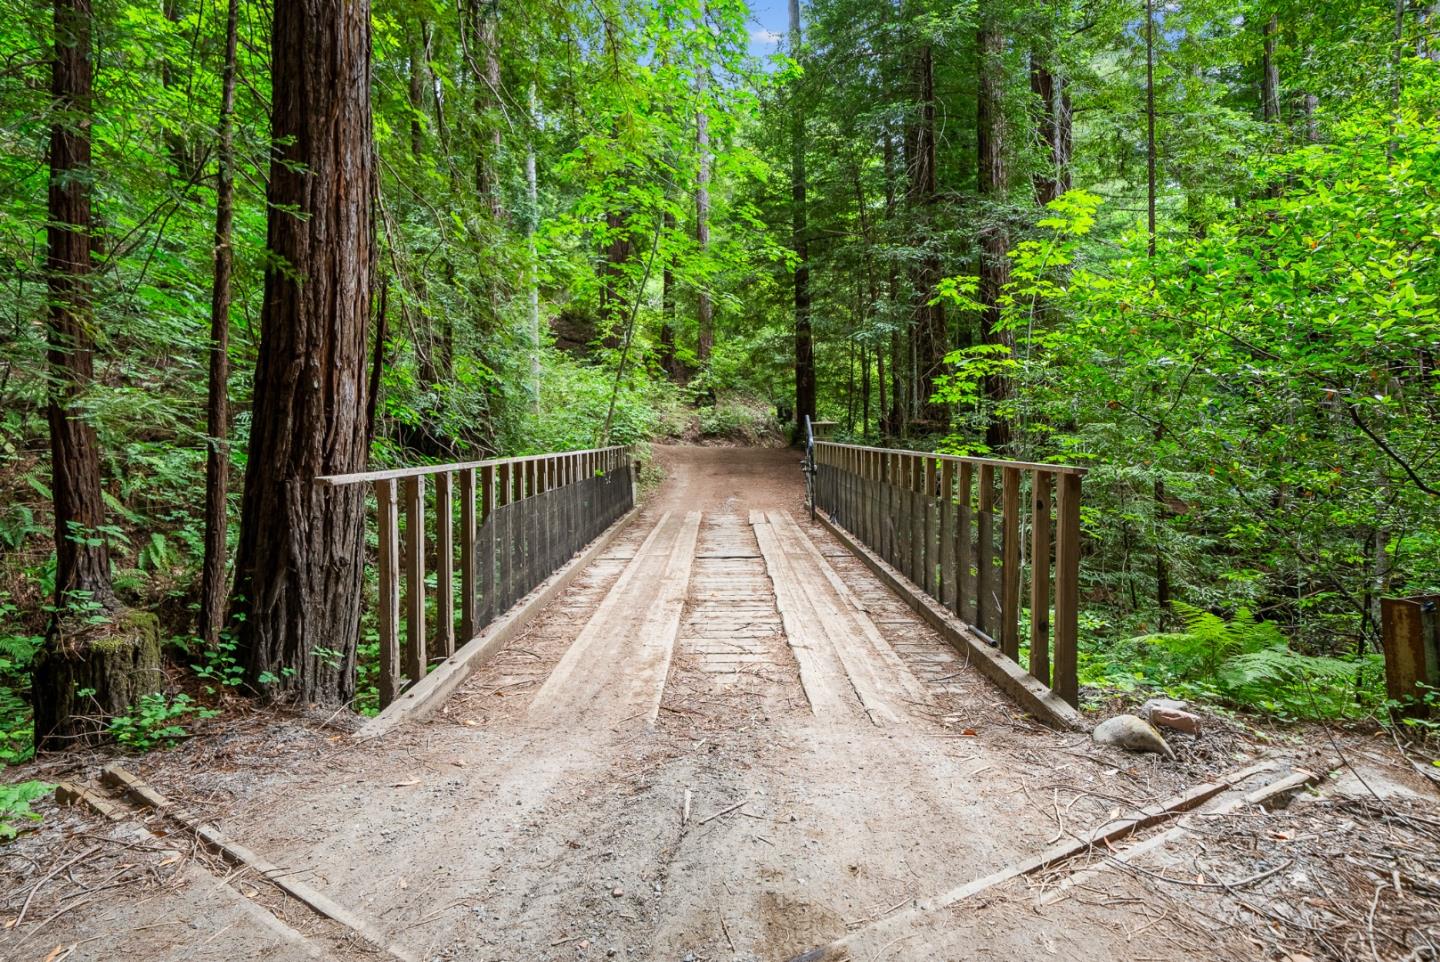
point(995, 235)
point(217, 419)
point(704, 310)
point(931, 339)
point(92, 644)
point(298, 570)
point(896, 423)
point(805, 388)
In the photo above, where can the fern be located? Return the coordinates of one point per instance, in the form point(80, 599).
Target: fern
point(1250, 662)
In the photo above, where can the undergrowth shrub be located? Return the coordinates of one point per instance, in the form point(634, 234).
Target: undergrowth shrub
point(1242, 661)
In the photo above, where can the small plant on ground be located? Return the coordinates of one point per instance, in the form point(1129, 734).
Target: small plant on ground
point(154, 721)
point(15, 807)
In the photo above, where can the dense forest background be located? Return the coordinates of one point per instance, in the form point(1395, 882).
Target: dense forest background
point(1191, 246)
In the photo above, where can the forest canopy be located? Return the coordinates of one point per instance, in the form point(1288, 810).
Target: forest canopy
point(1190, 247)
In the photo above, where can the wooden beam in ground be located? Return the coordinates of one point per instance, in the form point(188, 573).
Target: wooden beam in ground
point(1102, 836)
point(238, 855)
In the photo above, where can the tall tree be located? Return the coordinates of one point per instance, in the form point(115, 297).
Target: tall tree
point(92, 644)
point(298, 569)
point(992, 178)
point(1270, 73)
point(931, 340)
point(805, 389)
point(704, 310)
point(217, 408)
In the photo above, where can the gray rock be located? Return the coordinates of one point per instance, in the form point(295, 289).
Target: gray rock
point(1132, 734)
point(1173, 704)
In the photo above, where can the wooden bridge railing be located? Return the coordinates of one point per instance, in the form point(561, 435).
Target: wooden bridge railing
point(933, 518)
point(521, 519)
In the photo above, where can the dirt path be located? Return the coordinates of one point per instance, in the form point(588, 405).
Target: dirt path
point(727, 741)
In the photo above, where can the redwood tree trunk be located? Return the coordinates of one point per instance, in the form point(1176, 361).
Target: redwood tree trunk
point(995, 235)
point(217, 420)
point(74, 659)
point(298, 570)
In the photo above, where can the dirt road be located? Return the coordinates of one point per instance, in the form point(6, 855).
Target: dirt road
point(727, 741)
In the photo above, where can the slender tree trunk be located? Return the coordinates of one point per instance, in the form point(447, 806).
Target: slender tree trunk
point(416, 93)
point(217, 409)
point(532, 224)
point(704, 310)
point(1150, 122)
point(864, 392)
point(1312, 129)
point(1270, 74)
point(92, 644)
point(805, 387)
point(995, 235)
point(487, 106)
point(298, 569)
point(1055, 131)
point(931, 338)
point(1162, 567)
point(668, 361)
point(896, 422)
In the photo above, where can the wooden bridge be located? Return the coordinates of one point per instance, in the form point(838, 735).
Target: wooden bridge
point(699, 726)
point(935, 529)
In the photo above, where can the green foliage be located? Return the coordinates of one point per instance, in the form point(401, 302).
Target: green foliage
point(1242, 661)
point(15, 809)
point(154, 721)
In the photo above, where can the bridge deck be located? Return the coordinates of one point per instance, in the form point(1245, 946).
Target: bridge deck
point(728, 740)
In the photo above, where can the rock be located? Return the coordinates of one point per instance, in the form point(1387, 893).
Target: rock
point(1180, 721)
point(617, 891)
point(1132, 734)
point(1154, 703)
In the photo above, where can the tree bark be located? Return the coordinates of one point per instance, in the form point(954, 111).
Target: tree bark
point(704, 310)
point(931, 338)
point(1055, 128)
point(532, 224)
point(92, 644)
point(298, 569)
point(217, 408)
point(668, 361)
point(1270, 74)
point(487, 106)
point(805, 388)
point(1150, 123)
point(995, 235)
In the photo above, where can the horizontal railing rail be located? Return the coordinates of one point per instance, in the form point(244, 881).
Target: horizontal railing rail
point(933, 517)
point(521, 519)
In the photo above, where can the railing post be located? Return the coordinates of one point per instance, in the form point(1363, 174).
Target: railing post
point(445, 567)
point(1040, 575)
point(467, 554)
point(414, 551)
point(932, 528)
point(1010, 565)
point(1067, 587)
point(389, 565)
point(965, 584)
point(947, 535)
point(985, 555)
point(487, 547)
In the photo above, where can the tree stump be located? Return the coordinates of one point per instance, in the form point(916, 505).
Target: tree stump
point(87, 674)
